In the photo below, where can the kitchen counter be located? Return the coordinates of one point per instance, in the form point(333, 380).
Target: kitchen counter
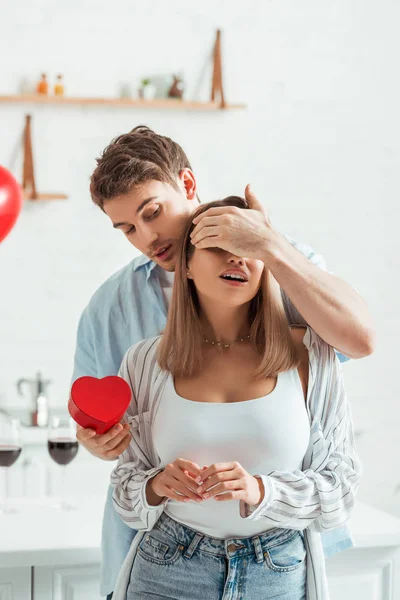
point(42, 535)
point(50, 554)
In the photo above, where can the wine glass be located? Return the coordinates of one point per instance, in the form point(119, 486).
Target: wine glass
point(10, 449)
point(63, 447)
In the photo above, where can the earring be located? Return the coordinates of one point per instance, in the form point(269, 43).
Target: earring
point(188, 273)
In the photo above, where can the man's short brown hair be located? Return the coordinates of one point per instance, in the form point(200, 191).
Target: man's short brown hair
point(134, 158)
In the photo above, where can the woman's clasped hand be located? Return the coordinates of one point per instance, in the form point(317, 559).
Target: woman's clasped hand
point(184, 480)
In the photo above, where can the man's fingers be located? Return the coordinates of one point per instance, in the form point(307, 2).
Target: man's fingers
point(211, 231)
point(105, 441)
point(115, 441)
point(116, 452)
point(106, 437)
point(252, 200)
point(216, 211)
point(209, 223)
point(83, 435)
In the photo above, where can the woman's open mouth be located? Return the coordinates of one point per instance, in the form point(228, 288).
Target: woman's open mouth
point(234, 280)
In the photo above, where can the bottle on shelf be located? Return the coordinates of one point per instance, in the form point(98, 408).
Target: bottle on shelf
point(59, 86)
point(40, 407)
point(42, 86)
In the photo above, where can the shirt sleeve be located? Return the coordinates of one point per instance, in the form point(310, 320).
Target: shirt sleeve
point(85, 356)
point(322, 496)
point(134, 468)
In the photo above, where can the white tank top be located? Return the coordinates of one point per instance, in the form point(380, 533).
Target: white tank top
point(266, 434)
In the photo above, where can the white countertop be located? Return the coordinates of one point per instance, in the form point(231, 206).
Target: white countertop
point(40, 535)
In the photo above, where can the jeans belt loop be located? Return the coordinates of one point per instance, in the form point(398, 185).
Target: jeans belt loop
point(193, 545)
point(258, 549)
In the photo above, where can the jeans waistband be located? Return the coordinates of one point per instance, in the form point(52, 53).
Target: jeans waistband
point(229, 548)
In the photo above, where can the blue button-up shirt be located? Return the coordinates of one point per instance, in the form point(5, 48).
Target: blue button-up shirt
point(127, 308)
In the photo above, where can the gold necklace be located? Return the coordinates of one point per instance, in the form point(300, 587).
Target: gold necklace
point(224, 345)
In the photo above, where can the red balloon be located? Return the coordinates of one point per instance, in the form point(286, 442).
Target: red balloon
point(10, 202)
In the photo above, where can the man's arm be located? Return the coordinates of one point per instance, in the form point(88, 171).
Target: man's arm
point(336, 312)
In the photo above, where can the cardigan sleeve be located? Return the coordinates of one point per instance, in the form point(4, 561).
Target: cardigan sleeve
point(321, 495)
point(134, 468)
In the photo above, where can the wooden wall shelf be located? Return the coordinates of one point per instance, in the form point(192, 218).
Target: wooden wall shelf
point(160, 103)
point(30, 196)
point(217, 103)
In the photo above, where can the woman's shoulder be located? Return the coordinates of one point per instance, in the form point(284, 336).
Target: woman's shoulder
point(143, 351)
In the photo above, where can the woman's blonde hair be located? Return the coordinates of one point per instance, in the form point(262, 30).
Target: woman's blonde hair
point(180, 348)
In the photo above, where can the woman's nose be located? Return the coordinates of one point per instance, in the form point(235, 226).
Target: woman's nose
point(236, 259)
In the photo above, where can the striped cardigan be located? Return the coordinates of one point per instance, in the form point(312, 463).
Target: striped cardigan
point(315, 499)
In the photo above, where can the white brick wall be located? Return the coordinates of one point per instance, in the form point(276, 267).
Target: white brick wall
point(319, 142)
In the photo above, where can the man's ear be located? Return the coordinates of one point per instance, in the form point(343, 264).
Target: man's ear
point(189, 183)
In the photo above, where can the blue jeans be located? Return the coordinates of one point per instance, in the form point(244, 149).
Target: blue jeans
point(175, 562)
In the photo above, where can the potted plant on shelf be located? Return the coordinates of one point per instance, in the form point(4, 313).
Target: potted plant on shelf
point(147, 91)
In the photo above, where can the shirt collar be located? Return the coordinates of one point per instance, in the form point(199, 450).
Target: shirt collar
point(142, 260)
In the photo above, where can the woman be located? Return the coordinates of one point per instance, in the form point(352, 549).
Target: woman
point(242, 444)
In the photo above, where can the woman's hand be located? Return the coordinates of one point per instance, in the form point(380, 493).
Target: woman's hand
point(230, 481)
point(177, 481)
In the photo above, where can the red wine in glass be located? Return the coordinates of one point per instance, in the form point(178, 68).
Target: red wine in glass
point(9, 454)
point(63, 447)
point(10, 449)
point(62, 450)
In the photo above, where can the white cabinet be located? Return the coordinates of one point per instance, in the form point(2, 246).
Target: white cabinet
point(74, 582)
point(15, 583)
point(365, 574)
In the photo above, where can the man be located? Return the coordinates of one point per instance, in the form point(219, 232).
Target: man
point(144, 183)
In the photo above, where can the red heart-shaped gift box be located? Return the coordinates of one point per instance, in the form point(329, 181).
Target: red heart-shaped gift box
point(99, 403)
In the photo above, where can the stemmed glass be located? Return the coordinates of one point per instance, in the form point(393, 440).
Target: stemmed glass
point(63, 447)
point(10, 449)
